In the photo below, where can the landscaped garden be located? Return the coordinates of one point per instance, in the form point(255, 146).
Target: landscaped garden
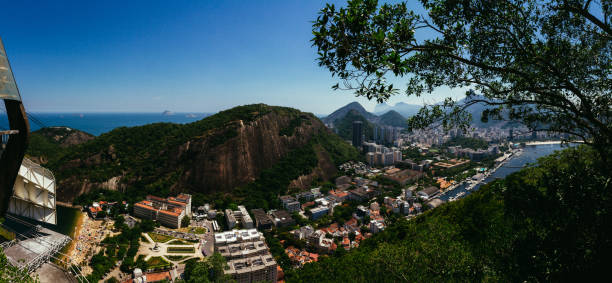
point(176, 257)
point(197, 230)
point(157, 263)
point(181, 250)
point(179, 242)
point(160, 238)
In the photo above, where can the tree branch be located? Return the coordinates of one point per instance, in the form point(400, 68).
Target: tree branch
point(590, 17)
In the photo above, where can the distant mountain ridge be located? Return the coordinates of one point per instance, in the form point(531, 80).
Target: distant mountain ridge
point(342, 111)
point(393, 119)
point(397, 115)
point(404, 109)
point(476, 111)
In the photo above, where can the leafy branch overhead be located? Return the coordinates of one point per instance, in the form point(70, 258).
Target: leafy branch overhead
point(545, 64)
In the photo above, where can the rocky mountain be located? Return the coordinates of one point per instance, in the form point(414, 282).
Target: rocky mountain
point(231, 149)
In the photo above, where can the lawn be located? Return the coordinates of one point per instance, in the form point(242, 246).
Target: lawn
point(179, 242)
point(160, 238)
point(158, 262)
point(180, 250)
point(176, 257)
point(197, 230)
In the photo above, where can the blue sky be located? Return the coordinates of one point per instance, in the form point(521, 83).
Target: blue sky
point(149, 56)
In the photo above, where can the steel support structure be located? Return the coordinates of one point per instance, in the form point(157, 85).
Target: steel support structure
point(17, 143)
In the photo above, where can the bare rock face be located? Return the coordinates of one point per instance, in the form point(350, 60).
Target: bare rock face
point(238, 161)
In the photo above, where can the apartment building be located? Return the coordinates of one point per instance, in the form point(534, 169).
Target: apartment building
point(237, 236)
point(233, 217)
point(242, 250)
point(247, 255)
point(253, 269)
point(290, 203)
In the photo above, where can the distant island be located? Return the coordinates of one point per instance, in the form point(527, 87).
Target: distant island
point(167, 113)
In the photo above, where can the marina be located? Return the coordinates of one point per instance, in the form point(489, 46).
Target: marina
point(518, 159)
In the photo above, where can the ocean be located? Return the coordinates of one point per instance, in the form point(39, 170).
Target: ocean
point(100, 123)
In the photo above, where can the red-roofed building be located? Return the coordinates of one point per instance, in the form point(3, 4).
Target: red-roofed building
point(308, 204)
point(340, 196)
point(300, 257)
point(332, 228)
point(351, 223)
point(93, 211)
point(151, 277)
point(159, 276)
point(280, 275)
point(346, 242)
point(168, 212)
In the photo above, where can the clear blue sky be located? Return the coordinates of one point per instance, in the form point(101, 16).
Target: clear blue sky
point(149, 56)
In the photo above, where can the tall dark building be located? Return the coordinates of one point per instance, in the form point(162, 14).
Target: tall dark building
point(357, 133)
point(375, 133)
point(511, 135)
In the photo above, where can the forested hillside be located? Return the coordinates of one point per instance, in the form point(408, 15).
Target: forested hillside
point(547, 223)
point(344, 126)
point(50, 144)
point(215, 155)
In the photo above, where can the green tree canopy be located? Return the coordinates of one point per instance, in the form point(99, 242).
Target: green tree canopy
point(185, 221)
point(545, 64)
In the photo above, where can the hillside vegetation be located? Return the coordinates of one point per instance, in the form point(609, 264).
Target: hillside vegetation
point(50, 144)
point(258, 149)
point(344, 125)
point(394, 119)
point(546, 223)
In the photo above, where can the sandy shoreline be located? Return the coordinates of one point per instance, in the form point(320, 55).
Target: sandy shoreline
point(74, 235)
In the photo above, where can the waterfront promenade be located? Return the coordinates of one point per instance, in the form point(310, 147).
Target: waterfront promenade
point(549, 142)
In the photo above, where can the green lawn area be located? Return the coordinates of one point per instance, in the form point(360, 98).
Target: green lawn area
point(197, 230)
point(160, 238)
point(180, 250)
point(179, 242)
point(176, 257)
point(157, 262)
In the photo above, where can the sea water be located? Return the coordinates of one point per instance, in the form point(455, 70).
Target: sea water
point(99, 123)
